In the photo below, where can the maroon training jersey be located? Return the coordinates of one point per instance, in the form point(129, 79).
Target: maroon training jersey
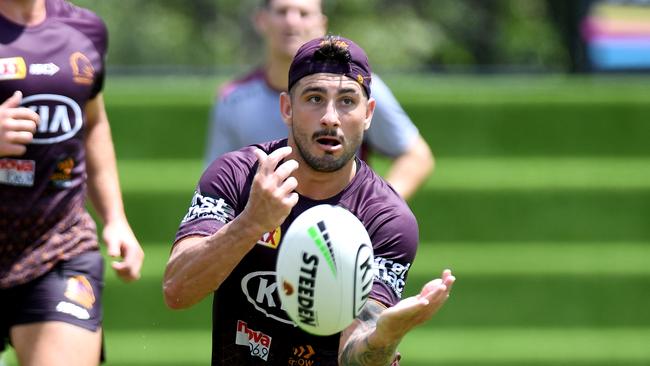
point(249, 325)
point(59, 66)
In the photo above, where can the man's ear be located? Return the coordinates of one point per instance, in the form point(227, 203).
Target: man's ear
point(323, 25)
point(370, 110)
point(259, 19)
point(286, 109)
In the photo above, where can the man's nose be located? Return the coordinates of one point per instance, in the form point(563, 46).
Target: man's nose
point(292, 16)
point(331, 116)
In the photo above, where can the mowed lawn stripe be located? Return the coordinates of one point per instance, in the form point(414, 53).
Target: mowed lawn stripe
point(163, 175)
point(423, 346)
point(583, 346)
point(478, 259)
point(530, 173)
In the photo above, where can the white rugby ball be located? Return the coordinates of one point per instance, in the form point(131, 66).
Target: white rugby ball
point(324, 269)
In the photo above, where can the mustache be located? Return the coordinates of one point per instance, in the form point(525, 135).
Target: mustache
point(327, 133)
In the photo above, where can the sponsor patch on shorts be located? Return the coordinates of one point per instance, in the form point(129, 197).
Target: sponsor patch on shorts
point(80, 291)
point(72, 309)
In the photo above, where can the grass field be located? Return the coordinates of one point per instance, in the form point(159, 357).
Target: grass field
point(540, 203)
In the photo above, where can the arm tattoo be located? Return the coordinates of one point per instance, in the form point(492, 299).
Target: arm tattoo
point(357, 350)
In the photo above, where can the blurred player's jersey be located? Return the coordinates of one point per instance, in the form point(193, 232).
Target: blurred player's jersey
point(249, 325)
point(248, 112)
point(59, 66)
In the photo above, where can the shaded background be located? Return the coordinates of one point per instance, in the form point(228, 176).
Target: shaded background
point(406, 35)
point(541, 195)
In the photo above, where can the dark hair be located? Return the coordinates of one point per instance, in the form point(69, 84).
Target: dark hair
point(333, 50)
point(265, 4)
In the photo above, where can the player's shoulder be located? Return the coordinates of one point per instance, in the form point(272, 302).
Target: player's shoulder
point(377, 197)
point(82, 19)
point(242, 161)
point(244, 86)
point(64, 10)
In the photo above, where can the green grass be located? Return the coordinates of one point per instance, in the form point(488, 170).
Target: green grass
point(539, 203)
point(529, 346)
point(548, 303)
point(177, 175)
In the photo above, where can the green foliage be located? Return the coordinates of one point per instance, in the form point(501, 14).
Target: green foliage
point(399, 35)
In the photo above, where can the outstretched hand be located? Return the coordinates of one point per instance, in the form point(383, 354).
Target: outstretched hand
point(17, 126)
point(396, 321)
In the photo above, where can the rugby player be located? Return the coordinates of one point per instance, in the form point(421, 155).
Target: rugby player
point(227, 242)
point(56, 147)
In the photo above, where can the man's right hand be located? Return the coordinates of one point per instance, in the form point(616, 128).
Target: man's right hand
point(272, 193)
point(17, 126)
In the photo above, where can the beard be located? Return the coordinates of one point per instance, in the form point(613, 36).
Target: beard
point(328, 162)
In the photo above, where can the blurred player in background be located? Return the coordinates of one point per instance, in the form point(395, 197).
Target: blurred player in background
point(246, 111)
point(55, 142)
point(228, 241)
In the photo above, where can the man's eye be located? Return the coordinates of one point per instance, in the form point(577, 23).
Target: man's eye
point(347, 101)
point(314, 99)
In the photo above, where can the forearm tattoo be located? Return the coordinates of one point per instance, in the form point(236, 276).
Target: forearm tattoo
point(357, 350)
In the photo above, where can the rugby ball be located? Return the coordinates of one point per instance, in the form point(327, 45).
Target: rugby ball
point(324, 269)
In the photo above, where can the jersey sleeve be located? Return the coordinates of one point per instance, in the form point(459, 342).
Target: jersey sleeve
point(391, 131)
point(395, 239)
point(219, 196)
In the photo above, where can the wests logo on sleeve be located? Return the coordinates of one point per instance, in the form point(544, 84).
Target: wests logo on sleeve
point(204, 207)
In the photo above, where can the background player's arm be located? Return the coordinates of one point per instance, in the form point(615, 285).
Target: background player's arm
point(221, 138)
point(105, 194)
point(373, 337)
point(409, 170)
point(394, 135)
point(17, 126)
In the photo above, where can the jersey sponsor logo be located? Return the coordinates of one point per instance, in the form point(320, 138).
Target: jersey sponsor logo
point(61, 117)
point(322, 240)
point(261, 290)
point(16, 172)
point(204, 207)
point(80, 291)
point(258, 342)
point(12, 68)
point(83, 71)
point(306, 288)
point(271, 239)
point(62, 175)
point(72, 309)
point(48, 69)
point(302, 356)
point(391, 273)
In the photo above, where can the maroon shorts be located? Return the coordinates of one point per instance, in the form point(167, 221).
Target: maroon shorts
point(71, 292)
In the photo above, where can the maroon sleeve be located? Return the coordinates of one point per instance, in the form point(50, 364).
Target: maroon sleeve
point(220, 195)
point(395, 242)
